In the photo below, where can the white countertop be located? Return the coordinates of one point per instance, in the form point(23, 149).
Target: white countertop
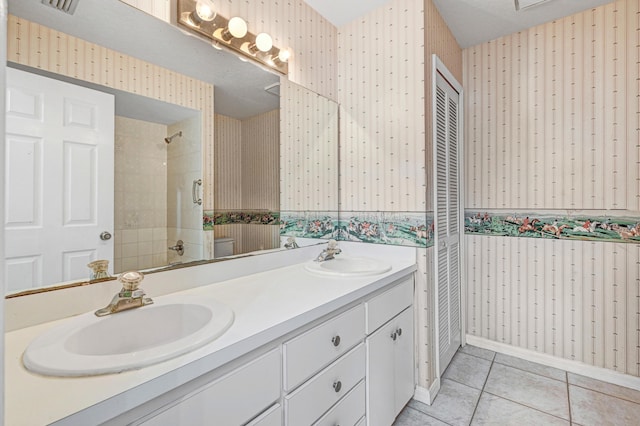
point(267, 306)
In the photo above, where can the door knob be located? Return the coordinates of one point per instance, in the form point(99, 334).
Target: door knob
point(104, 236)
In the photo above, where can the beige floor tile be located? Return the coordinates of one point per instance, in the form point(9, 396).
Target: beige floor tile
point(591, 408)
point(468, 370)
point(479, 352)
point(411, 417)
point(493, 410)
point(532, 390)
point(454, 404)
point(604, 387)
point(531, 367)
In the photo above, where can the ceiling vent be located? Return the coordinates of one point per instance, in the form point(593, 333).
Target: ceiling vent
point(274, 89)
point(66, 6)
point(526, 4)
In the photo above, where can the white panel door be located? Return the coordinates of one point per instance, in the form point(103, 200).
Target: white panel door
point(447, 208)
point(59, 180)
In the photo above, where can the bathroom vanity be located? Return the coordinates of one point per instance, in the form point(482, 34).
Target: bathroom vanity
point(304, 349)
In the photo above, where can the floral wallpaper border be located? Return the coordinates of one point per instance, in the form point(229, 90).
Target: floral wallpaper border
point(393, 228)
point(583, 225)
point(417, 229)
point(211, 218)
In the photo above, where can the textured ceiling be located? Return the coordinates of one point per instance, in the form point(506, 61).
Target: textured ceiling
point(471, 21)
point(476, 21)
point(340, 12)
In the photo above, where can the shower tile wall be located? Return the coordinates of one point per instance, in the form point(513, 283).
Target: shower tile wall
point(184, 165)
point(553, 122)
point(140, 191)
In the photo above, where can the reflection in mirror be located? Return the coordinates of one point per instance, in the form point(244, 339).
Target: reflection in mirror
point(105, 46)
point(138, 181)
point(274, 166)
point(246, 190)
point(156, 164)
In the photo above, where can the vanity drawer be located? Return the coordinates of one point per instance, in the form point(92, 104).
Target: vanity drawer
point(311, 351)
point(348, 411)
point(271, 417)
point(311, 400)
point(233, 399)
point(387, 305)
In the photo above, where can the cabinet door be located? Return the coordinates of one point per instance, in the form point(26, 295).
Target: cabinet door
point(390, 369)
point(404, 360)
point(231, 400)
point(380, 376)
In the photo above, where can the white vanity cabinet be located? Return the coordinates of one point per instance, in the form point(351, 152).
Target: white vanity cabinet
point(233, 399)
point(338, 342)
point(390, 354)
point(351, 367)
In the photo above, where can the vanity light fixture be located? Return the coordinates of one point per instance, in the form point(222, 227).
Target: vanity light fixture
point(237, 28)
point(204, 12)
point(263, 43)
point(200, 17)
point(283, 55)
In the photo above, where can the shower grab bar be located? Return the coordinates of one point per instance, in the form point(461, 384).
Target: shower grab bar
point(194, 192)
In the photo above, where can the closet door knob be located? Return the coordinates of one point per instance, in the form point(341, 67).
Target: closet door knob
point(337, 385)
point(399, 332)
point(335, 340)
point(394, 336)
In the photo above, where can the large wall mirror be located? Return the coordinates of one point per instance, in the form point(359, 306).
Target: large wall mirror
point(198, 147)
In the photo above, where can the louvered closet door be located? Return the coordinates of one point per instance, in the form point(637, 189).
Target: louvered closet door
point(447, 221)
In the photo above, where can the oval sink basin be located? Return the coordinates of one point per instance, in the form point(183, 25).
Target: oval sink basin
point(88, 345)
point(344, 266)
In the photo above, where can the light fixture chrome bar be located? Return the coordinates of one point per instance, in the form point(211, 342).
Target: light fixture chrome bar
point(217, 31)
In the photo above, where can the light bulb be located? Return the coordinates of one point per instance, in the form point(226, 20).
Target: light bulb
point(205, 10)
point(264, 42)
point(284, 55)
point(237, 27)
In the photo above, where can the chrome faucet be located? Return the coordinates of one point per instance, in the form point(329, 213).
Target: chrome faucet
point(330, 252)
point(291, 243)
point(129, 297)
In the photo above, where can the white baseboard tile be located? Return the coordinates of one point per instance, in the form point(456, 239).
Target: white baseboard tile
point(426, 396)
point(571, 366)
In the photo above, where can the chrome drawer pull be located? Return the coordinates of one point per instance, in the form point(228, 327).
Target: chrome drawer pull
point(335, 340)
point(337, 386)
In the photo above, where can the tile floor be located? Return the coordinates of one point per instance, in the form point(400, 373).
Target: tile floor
point(481, 387)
